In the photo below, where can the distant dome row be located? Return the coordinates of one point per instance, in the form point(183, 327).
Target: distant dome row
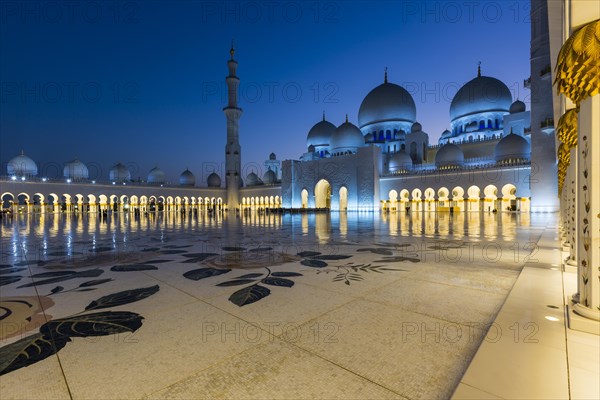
point(389, 102)
point(24, 166)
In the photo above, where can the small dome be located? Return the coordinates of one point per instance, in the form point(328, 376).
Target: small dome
point(416, 127)
point(272, 156)
point(21, 165)
point(75, 170)
point(387, 102)
point(346, 137)
point(213, 180)
point(311, 148)
point(517, 107)
point(187, 178)
point(446, 134)
point(320, 134)
point(479, 95)
point(253, 180)
point(449, 155)
point(156, 176)
point(119, 173)
point(269, 177)
point(512, 147)
point(400, 162)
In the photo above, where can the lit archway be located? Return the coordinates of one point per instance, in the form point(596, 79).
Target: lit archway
point(490, 192)
point(509, 198)
point(343, 198)
point(429, 199)
point(322, 194)
point(304, 198)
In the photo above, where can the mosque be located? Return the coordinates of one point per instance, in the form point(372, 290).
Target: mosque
point(483, 162)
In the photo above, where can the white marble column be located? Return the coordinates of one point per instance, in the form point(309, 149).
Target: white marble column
point(588, 209)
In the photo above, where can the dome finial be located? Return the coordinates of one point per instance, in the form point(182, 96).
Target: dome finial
point(346, 118)
point(385, 76)
point(323, 115)
point(232, 50)
point(479, 69)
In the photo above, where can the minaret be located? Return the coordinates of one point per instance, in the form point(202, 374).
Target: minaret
point(233, 149)
point(544, 187)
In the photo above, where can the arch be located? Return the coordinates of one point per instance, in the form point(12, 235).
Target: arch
point(323, 194)
point(7, 199)
point(393, 196)
point(429, 194)
point(429, 199)
point(38, 198)
point(509, 198)
point(457, 193)
point(404, 195)
point(490, 192)
point(23, 198)
point(416, 194)
point(304, 198)
point(509, 191)
point(473, 192)
point(277, 201)
point(343, 205)
point(443, 194)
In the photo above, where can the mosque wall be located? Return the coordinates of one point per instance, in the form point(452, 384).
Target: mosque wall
point(357, 173)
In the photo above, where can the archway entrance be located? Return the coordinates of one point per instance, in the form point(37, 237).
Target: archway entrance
point(323, 194)
point(304, 198)
point(343, 199)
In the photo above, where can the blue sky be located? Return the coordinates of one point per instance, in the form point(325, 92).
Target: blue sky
point(143, 82)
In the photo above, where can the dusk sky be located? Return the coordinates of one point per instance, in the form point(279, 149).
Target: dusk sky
point(143, 82)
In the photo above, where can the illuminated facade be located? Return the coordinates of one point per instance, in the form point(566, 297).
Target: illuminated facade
point(483, 162)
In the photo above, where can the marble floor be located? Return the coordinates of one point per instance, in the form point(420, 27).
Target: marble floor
point(353, 306)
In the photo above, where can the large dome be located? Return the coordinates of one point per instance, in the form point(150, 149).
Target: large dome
point(213, 180)
point(387, 102)
point(346, 137)
point(21, 165)
point(320, 133)
point(269, 177)
point(482, 94)
point(449, 155)
point(187, 178)
point(75, 170)
point(512, 148)
point(253, 180)
point(156, 176)
point(119, 173)
point(400, 162)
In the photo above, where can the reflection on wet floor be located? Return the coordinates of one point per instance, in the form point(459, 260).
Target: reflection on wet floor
point(49, 232)
point(167, 276)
